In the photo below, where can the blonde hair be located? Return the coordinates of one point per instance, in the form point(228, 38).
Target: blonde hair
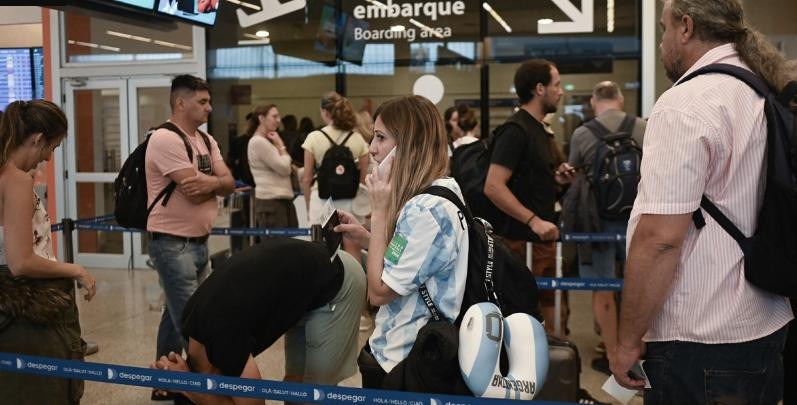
point(421, 154)
point(723, 21)
point(365, 125)
point(341, 111)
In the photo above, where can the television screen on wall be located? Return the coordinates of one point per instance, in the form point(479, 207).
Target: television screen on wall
point(197, 11)
point(16, 75)
point(38, 72)
point(144, 4)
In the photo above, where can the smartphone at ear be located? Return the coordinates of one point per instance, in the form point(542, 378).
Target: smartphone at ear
point(382, 168)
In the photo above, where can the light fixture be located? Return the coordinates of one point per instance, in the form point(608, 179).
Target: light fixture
point(497, 17)
point(261, 34)
point(397, 28)
point(426, 28)
point(93, 45)
point(149, 40)
point(245, 4)
point(545, 21)
point(262, 41)
point(609, 15)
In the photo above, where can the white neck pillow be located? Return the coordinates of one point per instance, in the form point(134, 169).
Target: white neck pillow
point(482, 331)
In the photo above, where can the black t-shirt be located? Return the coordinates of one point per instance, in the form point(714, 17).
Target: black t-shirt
point(256, 296)
point(238, 160)
point(523, 146)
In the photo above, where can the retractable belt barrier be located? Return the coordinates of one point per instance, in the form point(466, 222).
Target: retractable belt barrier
point(230, 386)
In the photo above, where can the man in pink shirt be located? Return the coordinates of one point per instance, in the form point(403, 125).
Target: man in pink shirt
point(705, 333)
point(179, 227)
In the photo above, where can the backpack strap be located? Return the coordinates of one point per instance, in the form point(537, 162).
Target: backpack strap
point(328, 138)
point(429, 303)
point(347, 137)
point(760, 87)
point(174, 128)
point(599, 130)
point(751, 79)
point(445, 192)
point(628, 124)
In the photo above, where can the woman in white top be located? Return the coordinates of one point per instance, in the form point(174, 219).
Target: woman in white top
point(340, 119)
point(38, 315)
point(270, 164)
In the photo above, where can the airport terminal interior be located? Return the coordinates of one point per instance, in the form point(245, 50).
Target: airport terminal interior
point(109, 64)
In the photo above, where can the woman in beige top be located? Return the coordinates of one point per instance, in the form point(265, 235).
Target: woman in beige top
point(271, 168)
point(340, 119)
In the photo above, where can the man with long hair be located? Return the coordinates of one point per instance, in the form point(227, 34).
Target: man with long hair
point(711, 336)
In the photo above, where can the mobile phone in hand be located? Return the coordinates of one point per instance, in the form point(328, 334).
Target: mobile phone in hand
point(383, 164)
point(331, 238)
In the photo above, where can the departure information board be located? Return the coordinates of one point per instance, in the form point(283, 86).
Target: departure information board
point(16, 75)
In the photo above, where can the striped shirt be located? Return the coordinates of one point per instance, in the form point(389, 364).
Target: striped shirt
point(708, 136)
point(430, 246)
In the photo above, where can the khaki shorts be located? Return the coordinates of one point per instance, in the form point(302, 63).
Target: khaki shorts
point(323, 346)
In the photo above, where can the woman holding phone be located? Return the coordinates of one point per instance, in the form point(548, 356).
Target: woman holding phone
point(415, 238)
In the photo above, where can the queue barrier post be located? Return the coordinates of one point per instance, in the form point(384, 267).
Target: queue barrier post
point(69, 252)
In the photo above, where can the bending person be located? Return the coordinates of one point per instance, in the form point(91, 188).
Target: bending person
point(280, 286)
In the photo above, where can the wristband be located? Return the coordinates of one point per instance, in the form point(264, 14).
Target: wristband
point(528, 221)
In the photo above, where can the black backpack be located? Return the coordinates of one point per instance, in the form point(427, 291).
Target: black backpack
point(130, 187)
point(616, 169)
point(770, 256)
point(469, 166)
point(495, 273)
point(338, 175)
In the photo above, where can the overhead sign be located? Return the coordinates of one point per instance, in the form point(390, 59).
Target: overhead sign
point(582, 20)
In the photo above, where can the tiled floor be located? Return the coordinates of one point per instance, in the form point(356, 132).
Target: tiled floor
point(123, 320)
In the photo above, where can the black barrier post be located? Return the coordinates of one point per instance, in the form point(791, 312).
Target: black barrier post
point(315, 233)
point(69, 226)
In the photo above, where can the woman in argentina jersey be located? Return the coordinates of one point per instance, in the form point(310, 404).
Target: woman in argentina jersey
point(415, 238)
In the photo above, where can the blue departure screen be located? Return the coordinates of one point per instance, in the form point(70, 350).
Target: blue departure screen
point(38, 73)
point(16, 76)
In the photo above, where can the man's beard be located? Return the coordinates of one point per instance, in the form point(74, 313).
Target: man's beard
point(549, 108)
point(674, 70)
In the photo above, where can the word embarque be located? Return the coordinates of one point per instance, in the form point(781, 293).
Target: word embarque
point(431, 9)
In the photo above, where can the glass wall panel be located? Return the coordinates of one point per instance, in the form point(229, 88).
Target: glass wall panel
point(90, 40)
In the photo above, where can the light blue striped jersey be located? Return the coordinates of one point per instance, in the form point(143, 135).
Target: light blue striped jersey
point(430, 246)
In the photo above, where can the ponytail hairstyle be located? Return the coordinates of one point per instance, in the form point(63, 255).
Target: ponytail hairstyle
point(467, 120)
point(722, 21)
point(421, 149)
point(23, 119)
point(341, 111)
point(253, 118)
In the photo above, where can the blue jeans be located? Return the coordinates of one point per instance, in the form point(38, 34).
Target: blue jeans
point(737, 373)
point(181, 266)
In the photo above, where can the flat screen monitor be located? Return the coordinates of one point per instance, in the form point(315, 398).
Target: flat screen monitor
point(197, 11)
point(143, 4)
point(16, 75)
point(38, 73)
point(329, 29)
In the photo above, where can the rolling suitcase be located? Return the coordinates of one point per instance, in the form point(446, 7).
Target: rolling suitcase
point(564, 369)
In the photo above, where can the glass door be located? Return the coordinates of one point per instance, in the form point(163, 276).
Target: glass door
point(96, 143)
point(148, 99)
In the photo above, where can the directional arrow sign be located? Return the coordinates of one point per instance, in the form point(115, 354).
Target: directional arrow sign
point(582, 20)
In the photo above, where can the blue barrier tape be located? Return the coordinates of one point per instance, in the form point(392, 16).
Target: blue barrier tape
point(230, 386)
point(100, 219)
point(214, 231)
point(57, 227)
point(592, 237)
point(592, 284)
point(261, 231)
